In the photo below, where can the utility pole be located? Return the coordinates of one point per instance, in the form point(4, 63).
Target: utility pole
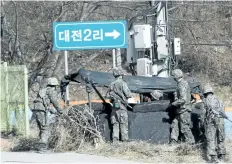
point(161, 38)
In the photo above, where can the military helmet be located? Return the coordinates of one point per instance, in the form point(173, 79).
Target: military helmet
point(157, 94)
point(44, 82)
point(177, 73)
point(207, 89)
point(117, 72)
point(52, 81)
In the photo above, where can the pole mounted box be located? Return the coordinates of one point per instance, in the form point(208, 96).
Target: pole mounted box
point(142, 36)
point(177, 46)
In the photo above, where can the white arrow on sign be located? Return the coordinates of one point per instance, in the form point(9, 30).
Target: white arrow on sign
point(114, 34)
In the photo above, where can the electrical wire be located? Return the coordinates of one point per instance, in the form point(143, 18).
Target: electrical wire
point(143, 13)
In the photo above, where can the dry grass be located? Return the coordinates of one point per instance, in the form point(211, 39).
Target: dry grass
point(74, 128)
point(68, 133)
point(146, 152)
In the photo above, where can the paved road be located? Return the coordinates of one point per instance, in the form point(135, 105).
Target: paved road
point(31, 157)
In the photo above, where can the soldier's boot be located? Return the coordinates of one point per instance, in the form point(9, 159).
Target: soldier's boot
point(43, 143)
point(127, 140)
point(42, 148)
point(115, 141)
point(124, 133)
point(214, 159)
point(97, 142)
point(221, 157)
point(173, 142)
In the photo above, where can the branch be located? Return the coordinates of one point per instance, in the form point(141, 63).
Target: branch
point(88, 9)
point(62, 11)
point(16, 25)
point(88, 61)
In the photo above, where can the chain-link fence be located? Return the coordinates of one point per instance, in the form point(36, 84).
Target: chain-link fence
point(14, 99)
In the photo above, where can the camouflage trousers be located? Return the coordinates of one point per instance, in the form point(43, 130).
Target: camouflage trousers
point(40, 117)
point(215, 137)
point(181, 123)
point(119, 120)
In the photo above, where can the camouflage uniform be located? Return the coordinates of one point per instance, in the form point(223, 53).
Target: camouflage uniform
point(198, 104)
point(201, 118)
point(46, 96)
point(183, 113)
point(156, 94)
point(215, 134)
point(119, 93)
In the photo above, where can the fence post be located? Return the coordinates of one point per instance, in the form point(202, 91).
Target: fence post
point(8, 128)
point(26, 102)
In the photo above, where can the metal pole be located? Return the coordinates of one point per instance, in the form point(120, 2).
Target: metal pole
point(118, 58)
point(26, 102)
point(89, 101)
point(113, 53)
point(66, 73)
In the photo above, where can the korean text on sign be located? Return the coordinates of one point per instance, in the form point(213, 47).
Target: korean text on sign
point(81, 35)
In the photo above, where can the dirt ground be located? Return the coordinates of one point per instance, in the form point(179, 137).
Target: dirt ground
point(6, 144)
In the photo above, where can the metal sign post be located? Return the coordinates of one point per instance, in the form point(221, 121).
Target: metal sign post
point(118, 58)
point(114, 59)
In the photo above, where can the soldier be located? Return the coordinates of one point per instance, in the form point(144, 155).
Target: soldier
point(198, 104)
point(183, 113)
point(215, 134)
point(119, 95)
point(46, 96)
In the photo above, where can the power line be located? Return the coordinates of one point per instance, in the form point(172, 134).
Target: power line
point(208, 44)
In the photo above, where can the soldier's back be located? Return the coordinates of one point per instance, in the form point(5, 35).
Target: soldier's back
point(184, 92)
point(117, 85)
point(213, 102)
point(183, 84)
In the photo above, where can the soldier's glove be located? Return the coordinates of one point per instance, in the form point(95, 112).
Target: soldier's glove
point(60, 112)
point(170, 105)
point(111, 104)
point(174, 103)
point(193, 102)
point(52, 110)
point(67, 77)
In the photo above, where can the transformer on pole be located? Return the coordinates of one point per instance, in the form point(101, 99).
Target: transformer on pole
point(150, 49)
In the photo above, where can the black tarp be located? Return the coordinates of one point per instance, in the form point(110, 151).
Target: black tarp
point(152, 126)
point(147, 125)
point(154, 106)
point(137, 84)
